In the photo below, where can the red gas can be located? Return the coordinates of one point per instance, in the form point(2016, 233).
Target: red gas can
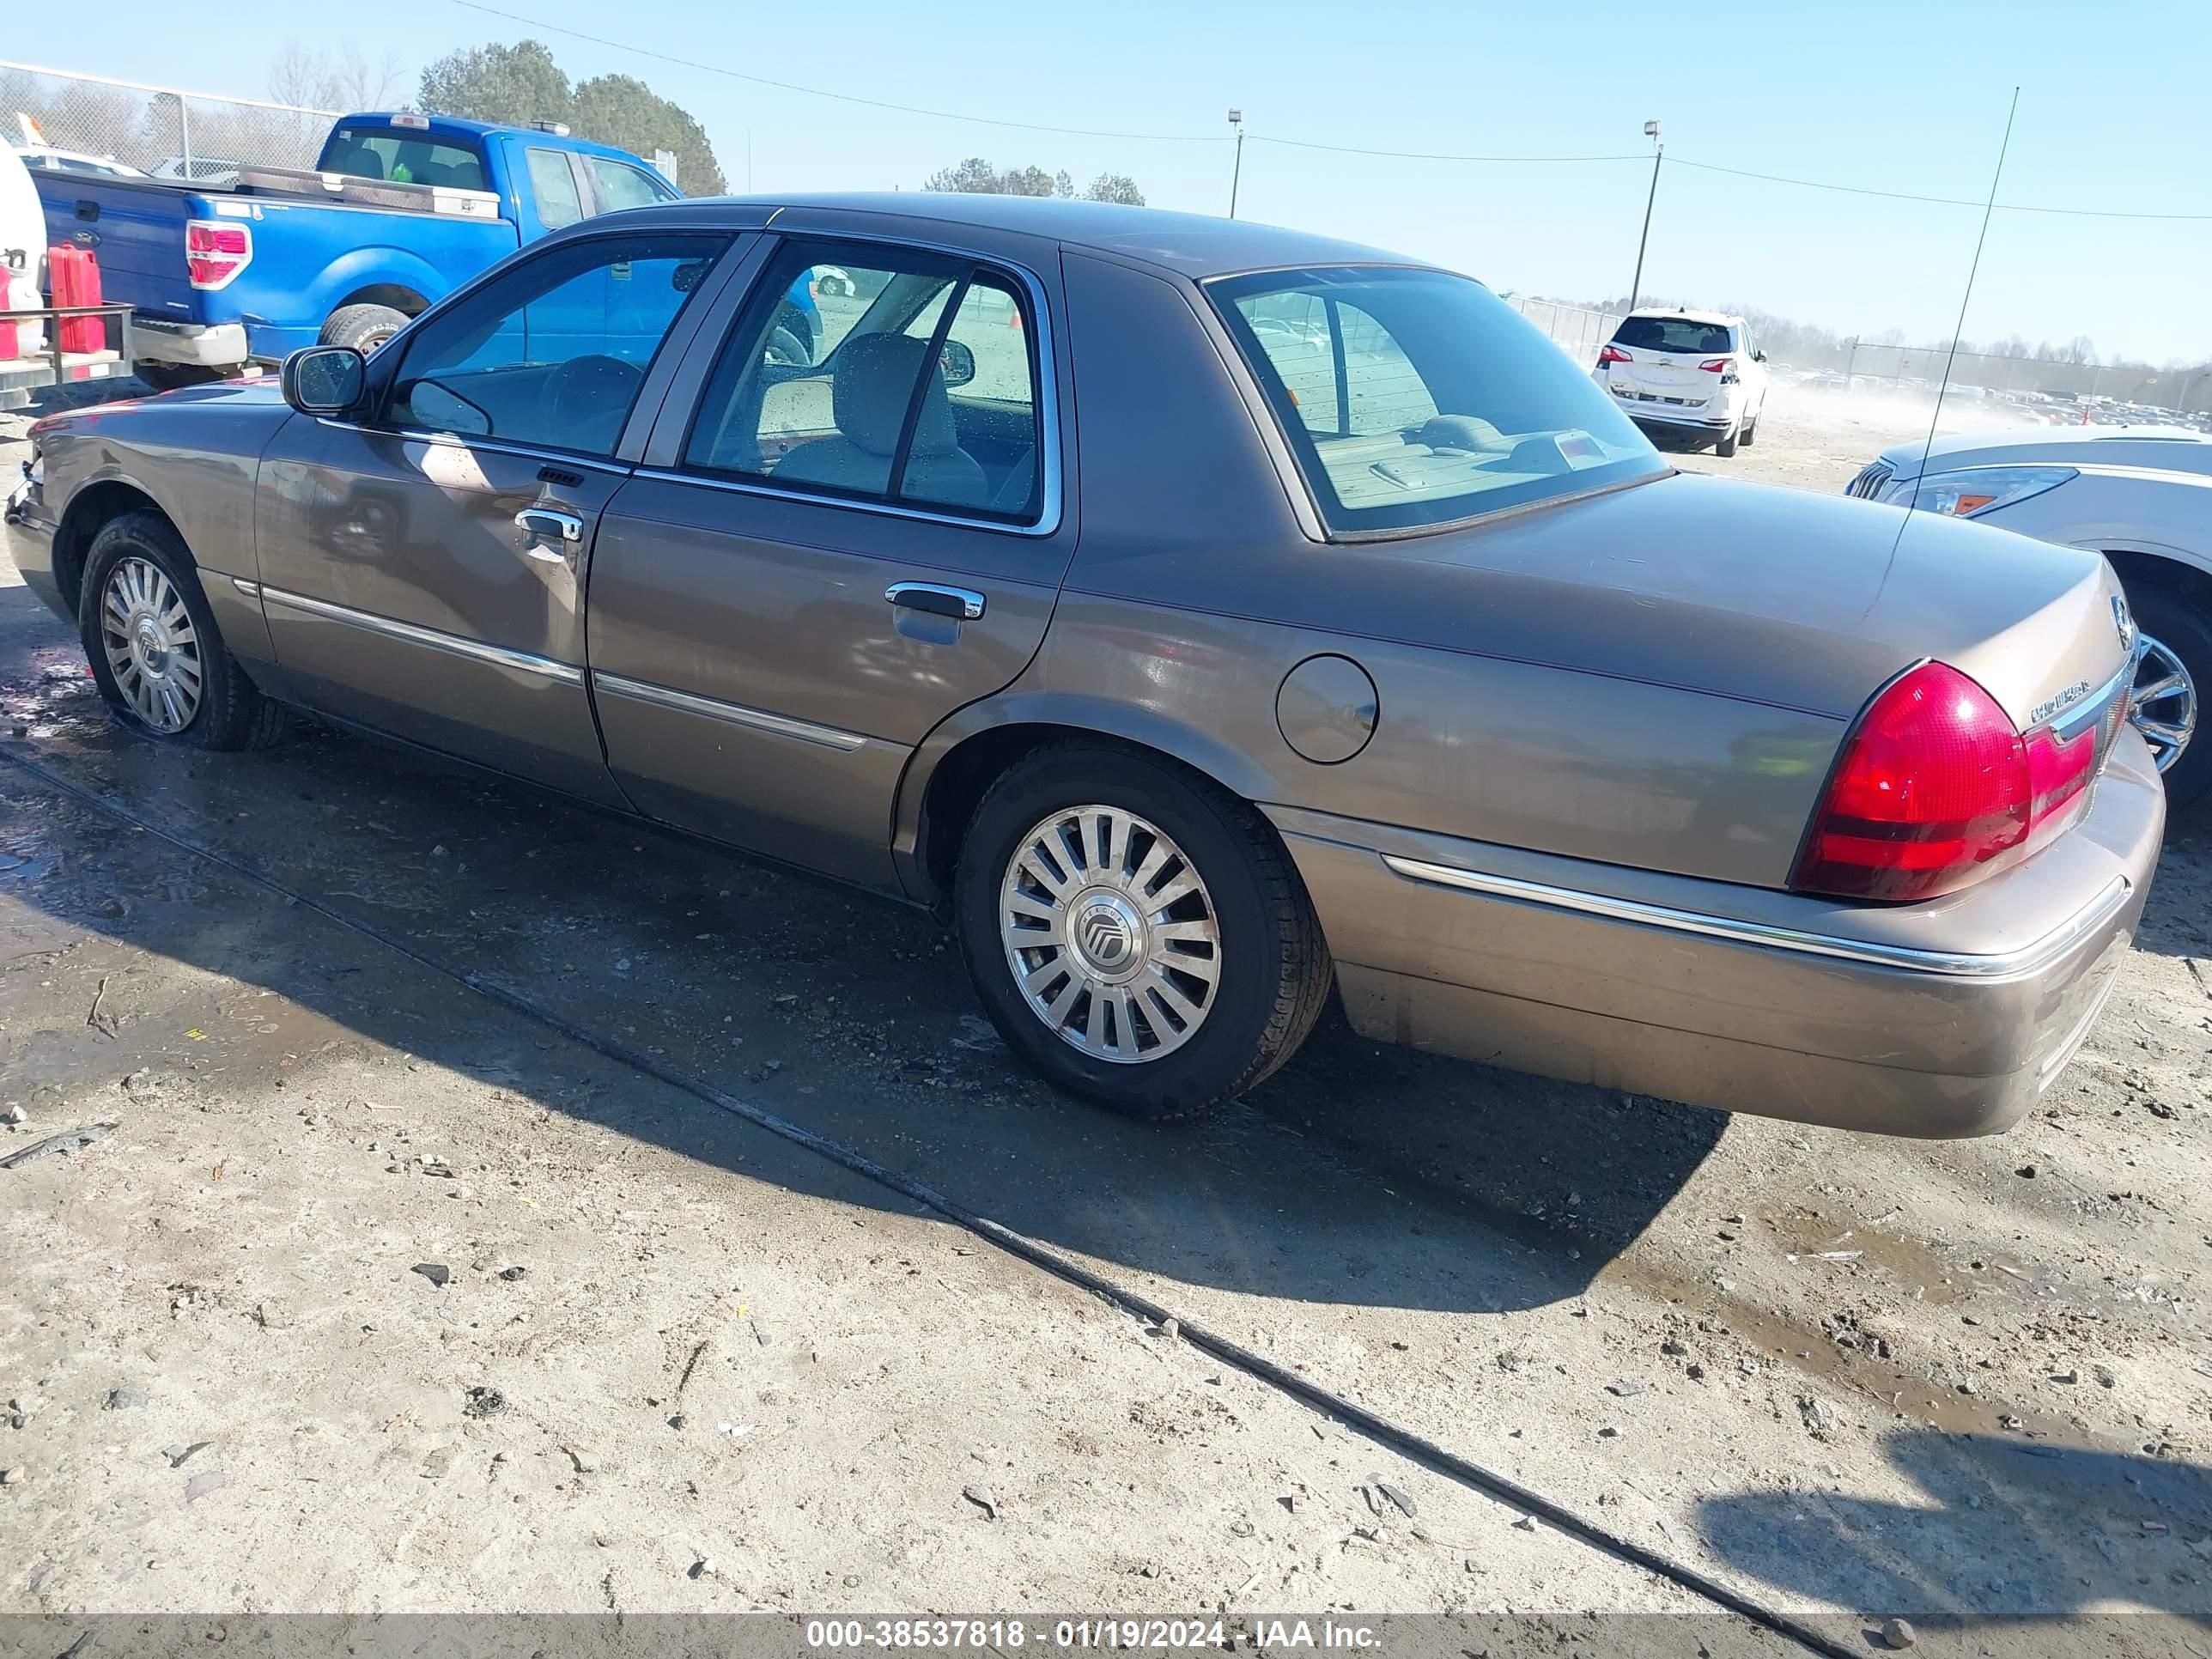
point(74, 275)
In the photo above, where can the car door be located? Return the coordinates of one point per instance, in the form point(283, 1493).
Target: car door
point(423, 568)
point(834, 543)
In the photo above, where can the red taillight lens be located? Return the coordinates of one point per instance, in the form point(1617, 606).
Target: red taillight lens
point(216, 250)
point(1934, 784)
point(1613, 354)
point(1715, 365)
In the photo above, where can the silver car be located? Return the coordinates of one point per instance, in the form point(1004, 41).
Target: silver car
point(2140, 496)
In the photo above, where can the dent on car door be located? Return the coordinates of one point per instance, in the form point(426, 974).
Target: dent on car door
point(824, 558)
point(423, 568)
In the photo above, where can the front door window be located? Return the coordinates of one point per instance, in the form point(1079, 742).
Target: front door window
point(554, 354)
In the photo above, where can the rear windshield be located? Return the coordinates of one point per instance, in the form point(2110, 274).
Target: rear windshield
point(1415, 398)
point(409, 160)
point(1674, 334)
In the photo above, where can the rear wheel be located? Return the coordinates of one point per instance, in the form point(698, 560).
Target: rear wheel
point(1750, 429)
point(1138, 937)
point(362, 327)
point(1725, 447)
point(2163, 711)
point(156, 654)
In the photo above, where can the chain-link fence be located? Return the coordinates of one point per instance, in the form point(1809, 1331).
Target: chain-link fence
point(2137, 385)
point(155, 129)
point(1579, 331)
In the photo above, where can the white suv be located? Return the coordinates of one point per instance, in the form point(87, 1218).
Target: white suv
point(1692, 372)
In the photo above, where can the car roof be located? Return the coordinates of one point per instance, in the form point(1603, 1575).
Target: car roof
point(1193, 245)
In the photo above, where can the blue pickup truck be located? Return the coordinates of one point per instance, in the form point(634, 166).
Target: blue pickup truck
point(398, 211)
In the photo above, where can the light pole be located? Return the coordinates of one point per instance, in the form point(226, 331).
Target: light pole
point(1658, 149)
point(1236, 169)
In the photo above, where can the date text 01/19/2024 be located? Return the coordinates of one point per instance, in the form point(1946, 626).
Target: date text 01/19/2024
point(1126, 1634)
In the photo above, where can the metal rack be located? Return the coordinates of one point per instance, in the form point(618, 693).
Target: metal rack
point(52, 366)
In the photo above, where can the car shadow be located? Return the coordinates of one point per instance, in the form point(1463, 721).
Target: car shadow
point(1359, 1175)
point(1993, 1527)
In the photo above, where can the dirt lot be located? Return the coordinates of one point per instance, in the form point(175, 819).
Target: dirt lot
point(372, 1290)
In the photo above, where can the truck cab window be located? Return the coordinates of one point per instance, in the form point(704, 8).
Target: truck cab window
point(553, 184)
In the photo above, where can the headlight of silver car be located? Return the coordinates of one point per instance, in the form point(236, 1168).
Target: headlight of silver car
point(1974, 490)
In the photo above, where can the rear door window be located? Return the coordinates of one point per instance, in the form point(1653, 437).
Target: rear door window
point(619, 186)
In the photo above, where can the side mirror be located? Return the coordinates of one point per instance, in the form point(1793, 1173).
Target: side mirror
point(957, 363)
point(1759, 356)
point(323, 380)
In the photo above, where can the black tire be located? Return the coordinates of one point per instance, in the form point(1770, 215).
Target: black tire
point(362, 327)
point(788, 349)
point(1751, 432)
point(2184, 629)
point(1725, 445)
point(231, 713)
point(1275, 971)
point(168, 377)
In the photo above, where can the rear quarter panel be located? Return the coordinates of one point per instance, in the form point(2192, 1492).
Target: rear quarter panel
point(310, 257)
point(1192, 541)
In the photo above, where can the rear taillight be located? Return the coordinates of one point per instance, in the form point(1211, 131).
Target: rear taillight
point(1715, 365)
point(216, 251)
point(1613, 354)
point(1934, 785)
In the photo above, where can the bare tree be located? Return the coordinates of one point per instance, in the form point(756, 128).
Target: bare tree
point(344, 79)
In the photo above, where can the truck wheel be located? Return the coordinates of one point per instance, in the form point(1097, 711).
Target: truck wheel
point(167, 377)
point(155, 651)
point(1136, 935)
point(362, 327)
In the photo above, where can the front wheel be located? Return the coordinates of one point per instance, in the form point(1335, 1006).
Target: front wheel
point(1138, 937)
point(156, 654)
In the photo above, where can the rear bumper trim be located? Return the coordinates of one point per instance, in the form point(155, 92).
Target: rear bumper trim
point(203, 345)
point(2029, 958)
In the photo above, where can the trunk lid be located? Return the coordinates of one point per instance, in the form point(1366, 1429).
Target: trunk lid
point(1773, 596)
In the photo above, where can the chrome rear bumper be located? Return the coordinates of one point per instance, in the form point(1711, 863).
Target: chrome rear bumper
point(1938, 1020)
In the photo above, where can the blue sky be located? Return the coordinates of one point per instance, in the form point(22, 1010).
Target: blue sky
point(1903, 97)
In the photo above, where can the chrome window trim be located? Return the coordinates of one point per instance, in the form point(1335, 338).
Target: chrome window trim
point(548, 453)
point(730, 714)
point(2026, 958)
point(410, 632)
point(1053, 507)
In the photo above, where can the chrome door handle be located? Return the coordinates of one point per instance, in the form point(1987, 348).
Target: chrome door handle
point(547, 524)
point(964, 605)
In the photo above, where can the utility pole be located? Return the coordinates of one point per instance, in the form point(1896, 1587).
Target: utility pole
point(1658, 149)
point(1236, 170)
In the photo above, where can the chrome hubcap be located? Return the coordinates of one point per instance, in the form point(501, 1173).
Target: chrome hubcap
point(1110, 934)
point(152, 650)
point(2163, 705)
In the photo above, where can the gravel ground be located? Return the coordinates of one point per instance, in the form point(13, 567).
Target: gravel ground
point(678, 1362)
